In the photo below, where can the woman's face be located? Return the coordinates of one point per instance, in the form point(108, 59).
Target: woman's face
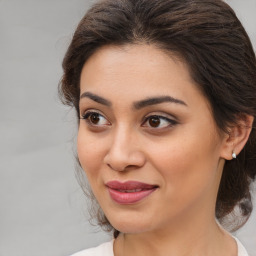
point(147, 139)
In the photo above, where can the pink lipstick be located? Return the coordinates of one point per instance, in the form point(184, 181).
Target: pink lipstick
point(129, 192)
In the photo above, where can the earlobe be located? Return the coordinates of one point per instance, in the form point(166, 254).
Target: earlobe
point(236, 138)
point(233, 155)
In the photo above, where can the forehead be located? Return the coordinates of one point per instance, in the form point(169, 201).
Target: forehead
point(137, 71)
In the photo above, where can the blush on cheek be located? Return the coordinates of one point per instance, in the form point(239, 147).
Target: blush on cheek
point(84, 154)
point(89, 154)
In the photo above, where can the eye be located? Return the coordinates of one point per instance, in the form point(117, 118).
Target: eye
point(157, 122)
point(95, 119)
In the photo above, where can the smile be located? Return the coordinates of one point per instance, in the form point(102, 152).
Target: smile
point(129, 192)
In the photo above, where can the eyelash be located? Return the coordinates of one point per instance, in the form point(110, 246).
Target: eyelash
point(89, 114)
point(166, 119)
point(170, 122)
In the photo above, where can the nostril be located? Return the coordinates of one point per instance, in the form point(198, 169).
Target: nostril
point(124, 160)
point(115, 168)
point(125, 168)
point(110, 166)
point(131, 167)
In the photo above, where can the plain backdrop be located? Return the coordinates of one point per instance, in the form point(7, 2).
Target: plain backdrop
point(42, 208)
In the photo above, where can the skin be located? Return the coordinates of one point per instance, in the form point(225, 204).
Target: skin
point(184, 155)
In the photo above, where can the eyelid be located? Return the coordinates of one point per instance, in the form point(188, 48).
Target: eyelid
point(86, 116)
point(167, 117)
point(162, 115)
point(91, 110)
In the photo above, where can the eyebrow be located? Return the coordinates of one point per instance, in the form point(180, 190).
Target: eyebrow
point(138, 104)
point(96, 98)
point(157, 100)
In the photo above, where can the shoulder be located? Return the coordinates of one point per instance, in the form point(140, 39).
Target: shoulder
point(240, 248)
point(105, 249)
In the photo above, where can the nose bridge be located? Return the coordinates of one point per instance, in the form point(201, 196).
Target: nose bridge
point(125, 135)
point(122, 143)
point(124, 150)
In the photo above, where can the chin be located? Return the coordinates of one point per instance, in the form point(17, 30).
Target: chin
point(130, 225)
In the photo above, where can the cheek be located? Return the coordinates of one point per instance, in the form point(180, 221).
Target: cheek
point(187, 164)
point(89, 153)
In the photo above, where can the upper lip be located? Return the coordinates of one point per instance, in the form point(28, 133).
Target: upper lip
point(129, 185)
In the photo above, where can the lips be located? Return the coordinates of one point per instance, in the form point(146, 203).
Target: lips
point(129, 192)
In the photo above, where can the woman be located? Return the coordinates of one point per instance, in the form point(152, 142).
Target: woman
point(165, 94)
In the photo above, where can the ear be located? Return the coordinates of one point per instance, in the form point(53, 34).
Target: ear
point(237, 136)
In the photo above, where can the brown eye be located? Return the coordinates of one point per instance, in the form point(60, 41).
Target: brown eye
point(158, 122)
point(94, 118)
point(154, 121)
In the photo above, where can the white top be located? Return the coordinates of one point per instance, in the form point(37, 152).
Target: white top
point(106, 249)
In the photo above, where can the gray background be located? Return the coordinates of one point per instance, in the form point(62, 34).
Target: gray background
point(42, 209)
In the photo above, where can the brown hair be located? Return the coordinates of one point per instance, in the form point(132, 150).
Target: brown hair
point(210, 39)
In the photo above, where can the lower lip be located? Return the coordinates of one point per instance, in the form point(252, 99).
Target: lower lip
point(129, 198)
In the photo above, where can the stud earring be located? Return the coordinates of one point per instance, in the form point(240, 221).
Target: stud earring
point(233, 155)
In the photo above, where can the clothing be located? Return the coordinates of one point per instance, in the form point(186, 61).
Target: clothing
point(106, 249)
point(241, 249)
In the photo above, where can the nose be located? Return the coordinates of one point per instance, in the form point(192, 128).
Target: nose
point(124, 151)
